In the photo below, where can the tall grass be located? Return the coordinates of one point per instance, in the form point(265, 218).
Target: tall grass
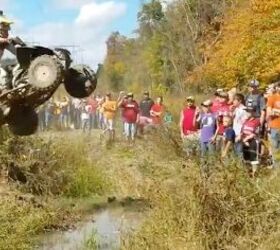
point(225, 210)
point(57, 167)
point(54, 170)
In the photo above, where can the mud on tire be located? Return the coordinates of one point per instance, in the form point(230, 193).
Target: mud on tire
point(45, 71)
point(22, 120)
point(80, 81)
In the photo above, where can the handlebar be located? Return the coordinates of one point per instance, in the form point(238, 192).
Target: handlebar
point(18, 41)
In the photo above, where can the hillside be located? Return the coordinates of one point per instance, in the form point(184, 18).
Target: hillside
point(194, 44)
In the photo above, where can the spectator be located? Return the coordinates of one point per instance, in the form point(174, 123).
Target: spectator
point(77, 104)
point(157, 111)
point(50, 109)
point(167, 118)
point(208, 127)
point(273, 117)
point(188, 126)
point(240, 116)
point(145, 108)
point(64, 105)
point(249, 136)
point(228, 137)
point(93, 116)
point(255, 99)
point(42, 117)
point(216, 103)
point(123, 96)
point(224, 109)
point(100, 100)
point(85, 116)
point(110, 108)
point(130, 115)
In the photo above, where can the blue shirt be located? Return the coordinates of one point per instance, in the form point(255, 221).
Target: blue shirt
point(229, 134)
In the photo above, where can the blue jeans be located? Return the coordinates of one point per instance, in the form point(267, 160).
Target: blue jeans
point(86, 125)
point(48, 119)
point(130, 130)
point(275, 146)
point(238, 149)
point(207, 148)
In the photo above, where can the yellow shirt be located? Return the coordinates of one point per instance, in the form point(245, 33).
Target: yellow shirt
point(110, 108)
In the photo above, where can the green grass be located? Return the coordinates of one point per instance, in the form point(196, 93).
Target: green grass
point(228, 210)
point(62, 183)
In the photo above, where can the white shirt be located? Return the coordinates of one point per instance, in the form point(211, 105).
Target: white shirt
point(76, 103)
point(240, 116)
point(85, 116)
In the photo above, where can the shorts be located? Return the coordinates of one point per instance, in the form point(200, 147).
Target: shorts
point(130, 130)
point(251, 152)
point(109, 124)
point(143, 120)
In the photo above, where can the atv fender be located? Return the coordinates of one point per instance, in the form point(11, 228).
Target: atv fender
point(26, 54)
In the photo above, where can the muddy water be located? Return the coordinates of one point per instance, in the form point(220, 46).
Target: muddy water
point(107, 225)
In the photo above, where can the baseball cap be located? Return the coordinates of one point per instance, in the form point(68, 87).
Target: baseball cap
point(130, 94)
point(207, 103)
point(254, 83)
point(223, 94)
point(218, 91)
point(190, 98)
point(146, 93)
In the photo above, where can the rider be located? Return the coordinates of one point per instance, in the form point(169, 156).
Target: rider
point(5, 41)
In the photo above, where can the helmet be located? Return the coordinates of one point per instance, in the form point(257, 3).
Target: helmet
point(4, 25)
point(4, 20)
point(254, 83)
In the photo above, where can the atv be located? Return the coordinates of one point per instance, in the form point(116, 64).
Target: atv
point(32, 80)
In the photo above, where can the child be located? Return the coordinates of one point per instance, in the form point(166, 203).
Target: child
point(249, 137)
point(208, 127)
point(228, 136)
point(168, 118)
point(224, 109)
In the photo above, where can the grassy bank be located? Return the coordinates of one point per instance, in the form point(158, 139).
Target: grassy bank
point(227, 210)
point(47, 183)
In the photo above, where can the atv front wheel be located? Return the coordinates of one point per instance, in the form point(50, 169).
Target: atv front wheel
point(45, 71)
point(22, 120)
point(80, 81)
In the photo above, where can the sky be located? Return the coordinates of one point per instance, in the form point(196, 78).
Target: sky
point(83, 23)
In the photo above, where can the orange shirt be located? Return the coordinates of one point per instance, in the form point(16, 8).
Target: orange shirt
point(110, 108)
point(273, 102)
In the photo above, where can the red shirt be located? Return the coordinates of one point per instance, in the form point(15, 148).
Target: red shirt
point(223, 110)
point(250, 126)
point(93, 103)
point(216, 104)
point(130, 111)
point(188, 120)
point(159, 109)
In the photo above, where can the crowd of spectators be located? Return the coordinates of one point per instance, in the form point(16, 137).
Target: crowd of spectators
point(234, 124)
point(229, 124)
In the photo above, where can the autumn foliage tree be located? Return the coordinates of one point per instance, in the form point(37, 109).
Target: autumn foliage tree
point(196, 44)
point(248, 48)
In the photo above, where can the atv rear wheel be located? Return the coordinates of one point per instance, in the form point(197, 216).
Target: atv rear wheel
point(80, 81)
point(22, 120)
point(45, 71)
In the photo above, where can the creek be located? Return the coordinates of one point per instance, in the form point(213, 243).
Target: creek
point(105, 228)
